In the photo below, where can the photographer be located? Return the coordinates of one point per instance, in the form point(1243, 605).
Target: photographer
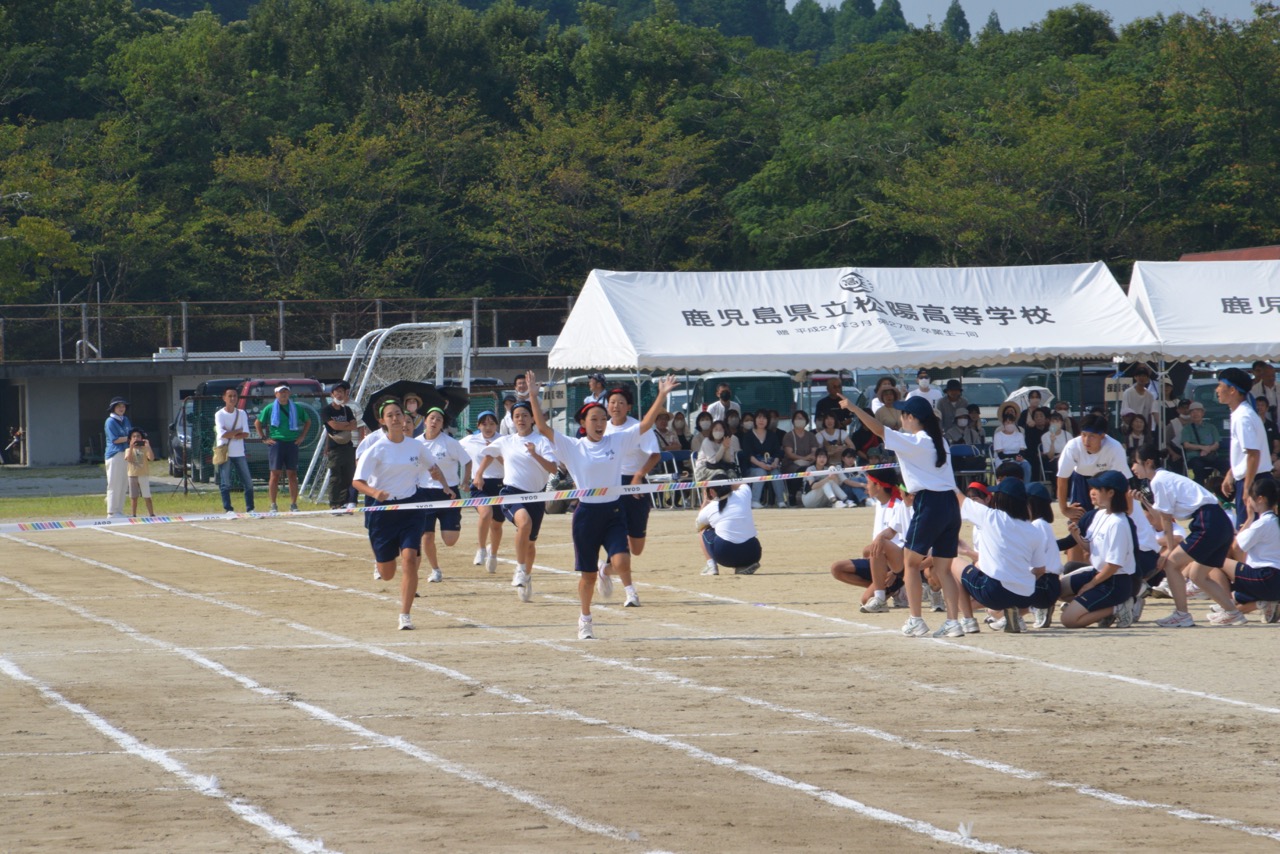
point(117, 430)
point(137, 457)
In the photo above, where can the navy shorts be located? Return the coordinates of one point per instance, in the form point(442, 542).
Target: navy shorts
point(1256, 583)
point(734, 555)
point(1110, 593)
point(490, 487)
point(935, 524)
point(595, 527)
point(282, 456)
point(1078, 491)
point(862, 569)
point(536, 510)
point(1209, 535)
point(450, 518)
point(1145, 566)
point(635, 511)
point(989, 592)
point(392, 531)
point(1048, 590)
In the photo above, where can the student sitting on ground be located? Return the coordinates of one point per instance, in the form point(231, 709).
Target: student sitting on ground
point(1106, 589)
point(822, 485)
point(879, 570)
point(727, 533)
point(1255, 581)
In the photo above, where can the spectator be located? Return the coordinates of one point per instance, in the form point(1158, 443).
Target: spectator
point(703, 432)
point(888, 414)
point(681, 428)
point(117, 429)
point(1169, 404)
point(1069, 423)
point(1200, 445)
point(138, 457)
point(822, 485)
point(764, 457)
point(668, 440)
point(832, 437)
point(735, 422)
point(413, 419)
point(1033, 434)
point(1054, 441)
point(520, 384)
point(1034, 402)
point(718, 454)
point(1175, 461)
point(976, 420)
point(1010, 443)
point(951, 404)
point(1139, 399)
point(831, 404)
point(1263, 409)
point(881, 384)
point(283, 426)
point(595, 382)
point(1264, 386)
point(1137, 434)
point(855, 487)
point(340, 427)
point(963, 431)
point(799, 450)
point(506, 427)
point(723, 404)
point(924, 388)
point(231, 428)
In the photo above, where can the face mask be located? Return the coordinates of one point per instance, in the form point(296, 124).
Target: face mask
point(1009, 428)
point(924, 384)
point(799, 423)
point(1055, 428)
point(704, 426)
point(725, 396)
point(733, 422)
point(962, 422)
point(717, 434)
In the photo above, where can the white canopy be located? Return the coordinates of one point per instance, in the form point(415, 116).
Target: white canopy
point(848, 318)
point(1222, 311)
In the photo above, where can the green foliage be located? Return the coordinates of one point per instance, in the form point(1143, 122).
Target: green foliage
point(956, 26)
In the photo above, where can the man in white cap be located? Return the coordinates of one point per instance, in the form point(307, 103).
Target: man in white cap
point(283, 426)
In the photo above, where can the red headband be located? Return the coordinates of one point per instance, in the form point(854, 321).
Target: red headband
point(587, 407)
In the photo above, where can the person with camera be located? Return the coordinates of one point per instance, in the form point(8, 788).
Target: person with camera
point(283, 426)
point(117, 429)
point(340, 428)
point(137, 457)
point(231, 428)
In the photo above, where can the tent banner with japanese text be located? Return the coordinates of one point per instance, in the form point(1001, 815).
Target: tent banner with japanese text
point(849, 318)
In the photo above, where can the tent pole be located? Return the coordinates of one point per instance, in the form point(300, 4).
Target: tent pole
point(1057, 377)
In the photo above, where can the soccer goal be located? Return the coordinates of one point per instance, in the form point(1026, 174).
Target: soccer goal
point(424, 352)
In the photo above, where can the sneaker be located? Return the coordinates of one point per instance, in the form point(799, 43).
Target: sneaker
point(1041, 617)
point(1138, 607)
point(1161, 590)
point(950, 629)
point(915, 627)
point(900, 598)
point(711, 568)
point(747, 570)
point(604, 582)
point(274, 508)
point(938, 601)
point(351, 505)
point(756, 505)
point(481, 554)
point(1107, 621)
point(435, 576)
point(1269, 611)
point(1176, 620)
point(293, 508)
point(874, 606)
point(518, 577)
point(970, 625)
point(525, 591)
point(584, 629)
point(406, 624)
point(1228, 618)
point(1124, 614)
point(491, 564)
point(996, 624)
point(230, 514)
point(1194, 592)
point(632, 601)
point(377, 576)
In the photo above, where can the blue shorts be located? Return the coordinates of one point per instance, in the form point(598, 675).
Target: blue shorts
point(989, 592)
point(635, 511)
point(1144, 566)
point(1078, 491)
point(1209, 535)
point(595, 527)
point(734, 555)
point(450, 518)
point(1047, 592)
point(935, 524)
point(1110, 593)
point(393, 531)
point(282, 456)
point(536, 510)
point(862, 569)
point(490, 487)
point(1256, 584)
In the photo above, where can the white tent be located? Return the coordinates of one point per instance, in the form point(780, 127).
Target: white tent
point(1222, 311)
point(848, 318)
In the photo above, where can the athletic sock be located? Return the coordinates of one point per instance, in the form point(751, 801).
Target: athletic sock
point(630, 588)
point(879, 594)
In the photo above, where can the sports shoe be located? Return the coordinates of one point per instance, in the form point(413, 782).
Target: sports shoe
point(517, 577)
point(915, 627)
point(1228, 618)
point(1269, 611)
point(1041, 617)
point(900, 598)
point(377, 576)
point(1161, 590)
point(1176, 620)
point(406, 624)
point(632, 601)
point(1138, 607)
point(1107, 621)
point(996, 624)
point(491, 564)
point(711, 568)
point(950, 629)
point(435, 576)
point(1194, 591)
point(293, 508)
point(756, 505)
point(604, 583)
point(481, 554)
point(1124, 614)
point(969, 624)
point(938, 601)
point(230, 514)
point(274, 508)
point(525, 591)
point(584, 629)
point(351, 505)
point(874, 606)
point(747, 570)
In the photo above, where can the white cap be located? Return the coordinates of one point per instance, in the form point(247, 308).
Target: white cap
point(281, 388)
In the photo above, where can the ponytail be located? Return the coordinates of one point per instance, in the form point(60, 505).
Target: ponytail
point(933, 427)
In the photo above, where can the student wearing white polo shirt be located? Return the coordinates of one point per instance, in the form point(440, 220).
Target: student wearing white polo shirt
point(727, 533)
point(1250, 457)
point(1255, 581)
point(1048, 585)
point(1085, 456)
point(880, 569)
point(1106, 590)
point(636, 465)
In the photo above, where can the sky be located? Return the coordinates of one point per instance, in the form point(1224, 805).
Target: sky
point(1015, 14)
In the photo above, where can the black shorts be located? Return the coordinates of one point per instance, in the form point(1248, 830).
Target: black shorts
point(450, 518)
point(734, 555)
point(490, 487)
point(635, 512)
point(536, 510)
point(282, 456)
point(595, 527)
point(862, 569)
point(935, 524)
point(1209, 535)
point(392, 531)
point(990, 592)
point(1110, 593)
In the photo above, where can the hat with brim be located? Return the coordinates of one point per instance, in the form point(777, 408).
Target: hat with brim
point(917, 407)
point(1112, 480)
point(1013, 487)
point(116, 401)
point(281, 388)
point(451, 400)
point(1039, 490)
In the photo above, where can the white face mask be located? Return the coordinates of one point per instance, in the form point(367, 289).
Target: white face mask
point(1055, 428)
point(1009, 428)
point(704, 426)
point(962, 422)
point(924, 383)
point(799, 423)
point(717, 434)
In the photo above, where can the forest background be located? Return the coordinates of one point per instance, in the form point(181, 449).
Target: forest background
point(327, 149)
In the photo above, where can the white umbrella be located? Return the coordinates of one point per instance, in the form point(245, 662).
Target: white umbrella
point(1020, 396)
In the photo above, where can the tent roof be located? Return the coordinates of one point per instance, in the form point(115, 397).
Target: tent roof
point(848, 318)
point(1212, 310)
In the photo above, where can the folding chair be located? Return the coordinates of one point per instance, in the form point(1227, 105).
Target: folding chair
point(668, 471)
point(967, 461)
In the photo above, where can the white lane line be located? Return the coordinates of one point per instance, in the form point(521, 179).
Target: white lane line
point(764, 775)
point(813, 717)
point(199, 783)
point(224, 532)
point(396, 743)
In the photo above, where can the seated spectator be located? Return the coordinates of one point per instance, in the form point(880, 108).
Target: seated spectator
point(1033, 433)
point(724, 405)
point(1034, 402)
point(831, 404)
point(1136, 436)
point(881, 384)
point(1174, 459)
point(854, 485)
point(887, 414)
point(763, 456)
point(1169, 405)
point(951, 404)
point(822, 485)
point(1009, 443)
point(738, 424)
point(799, 451)
point(1138, 399)
point(1200, 445)
point(681, 428)
point(963, 431)
point(1263, 408)
point(1069, 423)
point(832, 437)
point(667, 438)
point(703, 432)
point(1009, 408)
point(718, 454)
point(1054, 441)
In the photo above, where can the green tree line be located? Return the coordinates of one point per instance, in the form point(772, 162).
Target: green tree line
point(338, 148)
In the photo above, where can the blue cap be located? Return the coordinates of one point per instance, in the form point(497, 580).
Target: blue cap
point(1012, 486)
point(1112, 480)
point(1039, 490)
point(916, 407)
point(488, 412)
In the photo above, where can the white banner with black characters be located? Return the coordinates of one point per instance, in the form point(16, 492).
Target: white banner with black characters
point(849, 318)
point(1225, 311)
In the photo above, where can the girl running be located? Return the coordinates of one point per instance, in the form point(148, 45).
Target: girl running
point(1255, 581)
point(880, 569)
point(636, 465)
point(489, 529)
point(1106, 590)
point(728, 533)
point(454, 461)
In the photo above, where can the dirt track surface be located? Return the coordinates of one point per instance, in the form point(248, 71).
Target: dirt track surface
point(241, 686)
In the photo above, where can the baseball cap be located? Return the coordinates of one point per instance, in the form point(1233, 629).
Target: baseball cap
point(281, 387)
point(1038, 490)
point(1195, 404)
point(1013, 487)
point(343, 385)
point(1112, 480)
point(978, 485)
point(597, 376)
point(917, 407)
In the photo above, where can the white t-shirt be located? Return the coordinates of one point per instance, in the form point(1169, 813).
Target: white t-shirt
point(897, 517)
point(1076, 460)
point(596, 464)
point(1261, 541)
point(395, 466)
point(231, 422)
point(637, 459)
point(1140, 401)
point(933, 395)
point(717, 410)
point(473, 444)
point(1052, 557)
point(916, 458)
point(1111, 541)
point(1009, 443)
point(452, 458)
point(1178, 496)
point(735, 524)
point(522, 471)
point(1054, 443)
point(368, 442)
point(1019, 548)
point(1248, 434)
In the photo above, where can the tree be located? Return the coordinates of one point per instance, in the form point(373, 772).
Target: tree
point(888, 21)
point(852, 23)
point(992, 28)
point(813, 27)
point(1078, 30)
point(955, 24)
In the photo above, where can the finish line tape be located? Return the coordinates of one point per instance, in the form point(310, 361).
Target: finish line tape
point(479, 501)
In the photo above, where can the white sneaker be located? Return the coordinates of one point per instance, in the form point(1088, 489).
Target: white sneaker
point(406, 624)
point(632, 600)
point(435, 576)
point(1177, 620)
point(970, 625)
point(517, 578)
point(1041, 617)
point(915, 627)
point(525, 591)
point(711, 568)
point(938, 601)
point(950, 629)
point(584, 628)
point(1161, 590)
point(377, 576)
point(900, 598)
point(756, 505)
point(874, 606)
point(1124, 614)
point(230, 514)
point(481, 554)
point(1194, 591)
point(604, 582)
point(351, 505)
point(1269, 610)
point(491, 564)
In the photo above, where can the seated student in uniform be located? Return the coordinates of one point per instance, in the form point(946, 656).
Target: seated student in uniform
point(879, 570)
point(1255, 581)
point(727, 532)
point(1106, 589)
